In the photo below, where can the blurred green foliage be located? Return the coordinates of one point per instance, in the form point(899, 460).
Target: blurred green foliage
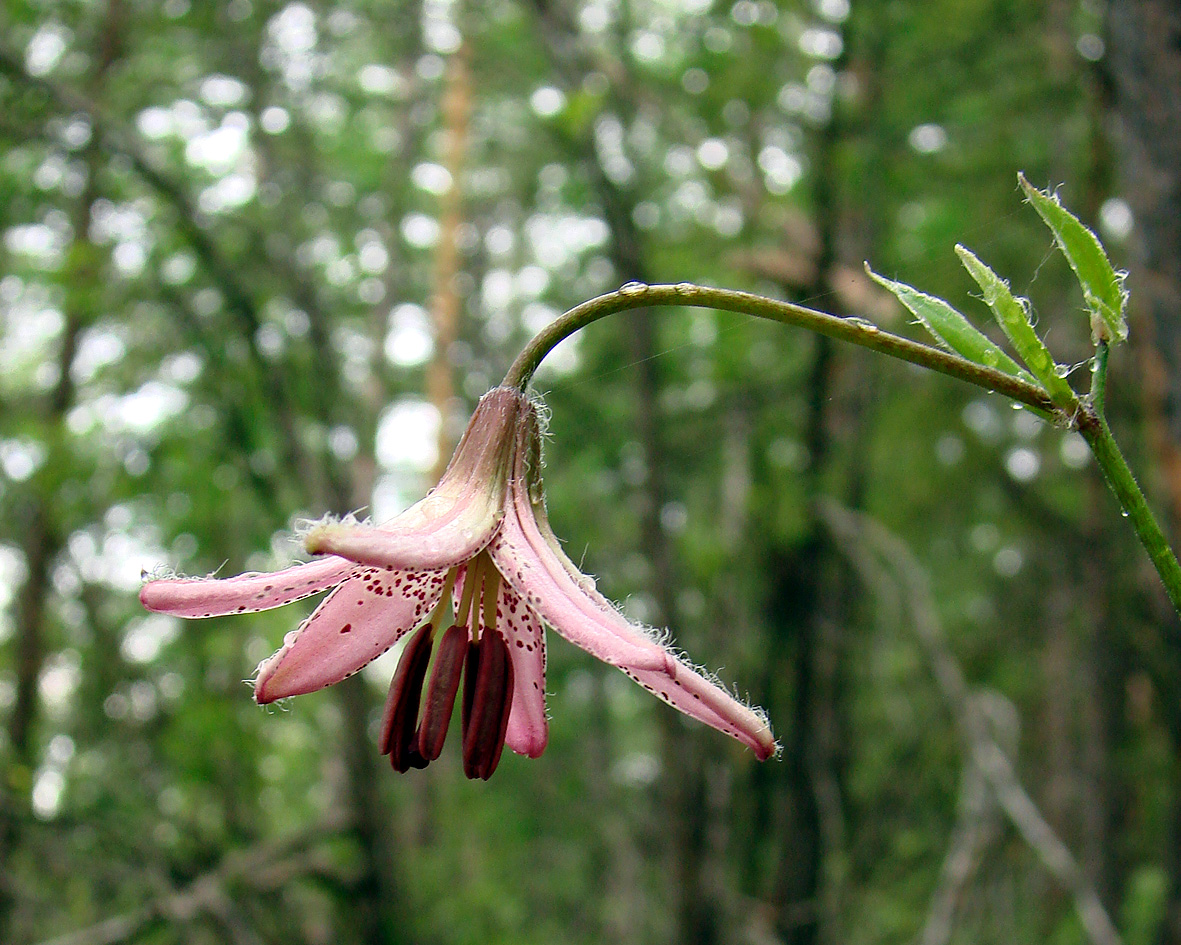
point(220, 236)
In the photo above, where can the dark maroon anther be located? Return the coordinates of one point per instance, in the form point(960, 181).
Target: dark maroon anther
point(471, 670)
point(400, 719)
point(491, 699)
point(441, 690)
point(506, 705)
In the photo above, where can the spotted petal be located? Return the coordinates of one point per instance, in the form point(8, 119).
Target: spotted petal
point(528, 726)
point(528, 729)
point(353, 625)
point(687, 690)
point(244, 594)
point(526, 563)
point(531, 559)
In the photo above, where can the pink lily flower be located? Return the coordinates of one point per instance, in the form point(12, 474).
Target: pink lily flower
point(479, 545)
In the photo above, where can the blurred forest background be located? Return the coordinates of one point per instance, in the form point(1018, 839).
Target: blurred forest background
point(258, 261)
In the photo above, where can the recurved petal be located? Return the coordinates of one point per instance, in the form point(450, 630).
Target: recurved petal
point(485, 449)
point(244, 594)
point(567, 600)
point(689, 691)
point(353, 625)
point(533, 569)
point(458, 517)
point(528, 728)
point(437, 533)
point(584, 617)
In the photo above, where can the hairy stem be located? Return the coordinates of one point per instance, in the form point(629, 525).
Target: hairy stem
point(855, 331)
point(1095, 431)
point(1088, 419)
point(1099, 380)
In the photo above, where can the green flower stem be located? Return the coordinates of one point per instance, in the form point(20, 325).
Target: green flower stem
point(856, 331)
point(1088, 418)
point(1092, 424)
point(1093, 427)
point(1099, 380)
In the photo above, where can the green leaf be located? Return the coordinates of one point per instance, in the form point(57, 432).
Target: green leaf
point(951, 329)
point(1013, 315)
point(1103, 287)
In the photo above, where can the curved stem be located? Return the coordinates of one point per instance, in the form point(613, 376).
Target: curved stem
point(1086, 417)
point(855, 331)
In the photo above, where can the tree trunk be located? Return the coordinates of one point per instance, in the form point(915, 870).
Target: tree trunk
point(1145, 49)
point(42, 537)
point(1146, 75)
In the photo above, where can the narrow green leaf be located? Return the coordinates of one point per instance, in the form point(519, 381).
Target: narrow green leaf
point(1013, 315)
point(1103, 287)
point(951, 329)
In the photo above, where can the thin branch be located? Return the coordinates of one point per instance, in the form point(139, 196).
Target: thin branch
point(974, 832)
point(857, 534)
point(263, 868)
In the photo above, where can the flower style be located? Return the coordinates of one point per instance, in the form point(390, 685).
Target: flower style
point(479, 545)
